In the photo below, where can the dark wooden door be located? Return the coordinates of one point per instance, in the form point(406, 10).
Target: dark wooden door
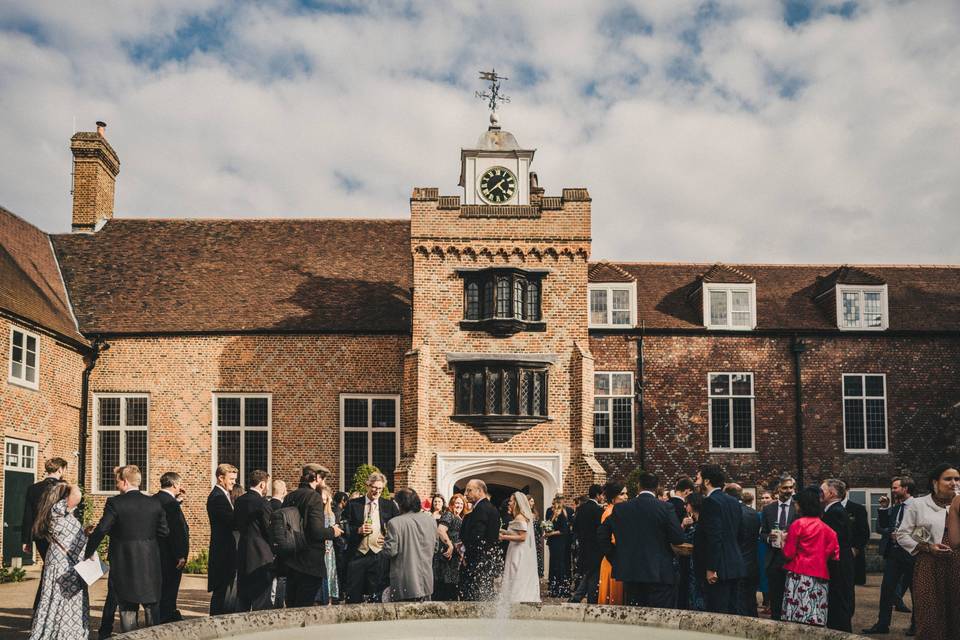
point(15, 493)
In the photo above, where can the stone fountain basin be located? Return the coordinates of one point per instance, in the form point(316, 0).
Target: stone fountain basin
point(473, 621)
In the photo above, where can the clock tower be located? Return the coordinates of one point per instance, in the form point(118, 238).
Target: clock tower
point(496, 171)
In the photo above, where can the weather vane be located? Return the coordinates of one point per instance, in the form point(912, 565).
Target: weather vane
point(493, 96)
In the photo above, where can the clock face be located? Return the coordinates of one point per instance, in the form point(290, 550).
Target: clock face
point(497, 185)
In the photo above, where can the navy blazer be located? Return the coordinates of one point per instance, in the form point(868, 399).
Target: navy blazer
point(768, 521)
point(715, 546)
point(644, 528)
point(586, 522)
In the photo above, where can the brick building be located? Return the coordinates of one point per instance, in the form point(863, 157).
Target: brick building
point(474, 338)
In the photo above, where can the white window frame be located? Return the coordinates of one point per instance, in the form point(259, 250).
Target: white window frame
point(609, 287)
point(242, 429)
point(729, 289)
point(753, 412)
point(861, 290)
point(22, 380)
point(610, 397)
point(18, 465)
point(122, 428)
point(843, 409)
point(869, 492)
point(369, 429)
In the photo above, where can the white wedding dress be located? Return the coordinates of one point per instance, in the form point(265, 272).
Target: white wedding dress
point(520, 580)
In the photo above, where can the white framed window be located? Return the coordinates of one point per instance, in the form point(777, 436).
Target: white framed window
point(20, 455)
point(369, 434)
point(613, 411)
point(865, 412)
point(862, 308)
point(731, 405)
point(870, 499)
point(121, 424)
point(612, 305)
point(730, 306)
point(24, 367)
point(242, 427)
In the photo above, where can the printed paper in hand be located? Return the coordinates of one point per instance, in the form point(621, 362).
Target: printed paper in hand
point(91, 569)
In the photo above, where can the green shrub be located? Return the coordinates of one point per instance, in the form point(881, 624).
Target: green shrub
point(88, 520)
point(360, 480)
point(13, 574)
point(633, 482)
point(198, 563)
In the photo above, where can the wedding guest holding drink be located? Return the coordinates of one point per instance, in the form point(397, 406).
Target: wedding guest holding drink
point(63, 612)
point(367, 518)
point(809, 545)
point(558, 541)
point(924, 534)
point(611, 589)
point(447, 561)
point(776, 518)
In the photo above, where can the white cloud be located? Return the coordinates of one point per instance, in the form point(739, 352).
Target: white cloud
point(704, 131)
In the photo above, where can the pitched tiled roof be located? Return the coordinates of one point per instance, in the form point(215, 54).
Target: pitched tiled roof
point(606, 272)
point(847, 275)
point(181, 276)
point(920, 297)
point(30, 284)
point(725, 274)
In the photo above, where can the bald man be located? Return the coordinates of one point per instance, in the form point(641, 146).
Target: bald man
point(480, 535)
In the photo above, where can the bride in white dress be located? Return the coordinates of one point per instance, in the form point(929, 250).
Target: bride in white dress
point(520, 580)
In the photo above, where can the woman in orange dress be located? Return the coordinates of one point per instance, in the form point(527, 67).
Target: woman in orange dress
point(611, 591)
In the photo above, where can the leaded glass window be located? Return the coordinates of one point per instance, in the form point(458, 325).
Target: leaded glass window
point(242, 427)
point(121, 423)
point(865, 412)
point(731, 411)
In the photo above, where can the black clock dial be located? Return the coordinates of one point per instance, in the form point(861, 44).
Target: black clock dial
point(497, 185)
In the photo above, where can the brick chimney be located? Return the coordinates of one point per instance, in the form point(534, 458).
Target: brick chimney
point(95, 169)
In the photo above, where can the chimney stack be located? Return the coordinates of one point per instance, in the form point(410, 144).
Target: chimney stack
point(95, 169)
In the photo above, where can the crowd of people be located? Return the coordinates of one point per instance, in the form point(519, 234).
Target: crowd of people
point(700, 546)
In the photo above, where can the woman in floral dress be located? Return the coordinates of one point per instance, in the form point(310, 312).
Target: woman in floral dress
point(809, 545)
point(63, 612)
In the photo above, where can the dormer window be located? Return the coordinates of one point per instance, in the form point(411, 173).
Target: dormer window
point(862, 308)
point(612, 305)
point(730, 306)
point(502, 301)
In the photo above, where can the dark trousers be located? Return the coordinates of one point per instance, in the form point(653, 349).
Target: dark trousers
point(683, 583)
point(169, 589)
point(840, 603)
point(129, 611)
point(721, 596)
point(776, 585)
point(253, 590)
point(109, 613)
point(589, 585)
point(897, 568)
point(365, 577)
point(650, 594)
point(224, 598)
point(747, 596)
point(302, 588)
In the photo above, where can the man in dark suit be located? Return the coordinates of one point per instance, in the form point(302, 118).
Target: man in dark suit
point(222, 562)
point(840, 597)
point(642, 558)
point(749, 535)
point(254, 555)
point(175, 548)
point(585, 526)
point(306, 570)
point(480, 535)
point(54, 468)
point(367, 518)
point(134, 523)
point(682, 488)
point(777, 516)
point(860, 536)
point(898, 563)
point(716, 555)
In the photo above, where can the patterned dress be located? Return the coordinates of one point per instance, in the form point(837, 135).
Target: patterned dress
point(805, 599)
point(63, 612)
point(936, 585)
point(330, 560)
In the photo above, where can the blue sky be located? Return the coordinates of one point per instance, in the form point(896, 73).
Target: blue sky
point(755, 130)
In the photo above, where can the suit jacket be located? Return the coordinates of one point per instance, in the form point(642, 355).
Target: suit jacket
point(177, 544)
point(30, 505)
point(480, 532)
point(356, 514)
point(222, 566)
point(679, 507)
point(310, 504)
point(769, 520)
point(887, 524)
point(585, 526)
point(841, 570)
point(860, 535)
point(748, 540)
point(644, 529)
point(715, 546)
point(252, 513)
point(134, 522)
point(410, 545)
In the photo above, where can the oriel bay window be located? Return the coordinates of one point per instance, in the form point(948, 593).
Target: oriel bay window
point(501, 398)
point(502, 300)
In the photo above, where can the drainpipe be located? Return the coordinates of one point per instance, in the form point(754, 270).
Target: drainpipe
point(90, 361)
point(797, 346)
point(642, 435)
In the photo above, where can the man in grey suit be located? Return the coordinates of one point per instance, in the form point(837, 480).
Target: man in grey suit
point(410, 544)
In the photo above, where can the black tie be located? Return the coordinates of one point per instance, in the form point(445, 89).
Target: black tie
point(783, 515)
point(899, 517)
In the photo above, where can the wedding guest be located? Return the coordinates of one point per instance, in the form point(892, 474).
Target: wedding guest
point(610, 589)
point(175, 548)
point(340, 499)
point(923, 533)
point(558, 541)
point(278, 491)
point(480, 534)
point(859, 537)
point(447, 561)
point(766, 498)
point(134, 522)
point(54, 469)
point(438, 505)
point(367, 518)
point(222, 555)
point(694, 584)
point(810, 544)
point(521, 583)
point(254, 555)
point(636, 538)
point(278, 590)
point(747, 541)
point(63, 611)
point(841, 595)
point(681, 489)
point(586, 524)
point(537, 534)
point(409, 544)
point(898, 563)
point(716, 554)
point(777, 516)
point(330, 590)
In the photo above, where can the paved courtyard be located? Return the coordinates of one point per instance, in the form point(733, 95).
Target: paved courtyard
point(16, 604)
